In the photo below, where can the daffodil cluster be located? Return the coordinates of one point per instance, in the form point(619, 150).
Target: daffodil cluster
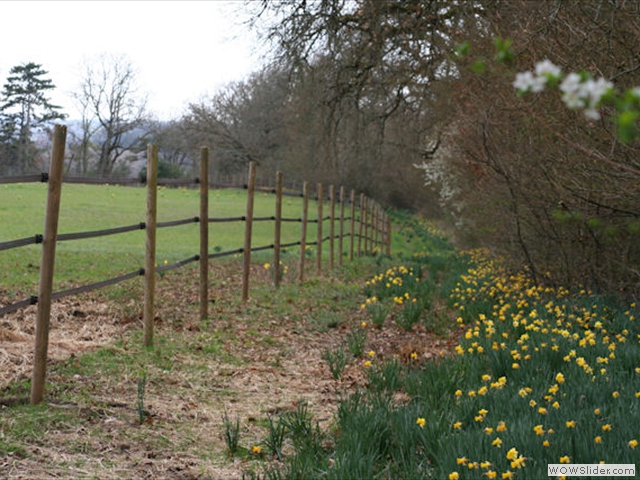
point(399, 288)
point(567, 368)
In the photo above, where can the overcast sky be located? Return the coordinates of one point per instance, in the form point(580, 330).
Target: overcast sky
point(183, 50)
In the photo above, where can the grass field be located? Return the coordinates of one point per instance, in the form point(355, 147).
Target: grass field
point(90, 207)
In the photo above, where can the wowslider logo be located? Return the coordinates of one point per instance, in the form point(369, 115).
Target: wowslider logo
point(592, 470)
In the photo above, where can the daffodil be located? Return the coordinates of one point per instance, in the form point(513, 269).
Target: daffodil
point(421, 422)
point(633, 443)
point(512, 454)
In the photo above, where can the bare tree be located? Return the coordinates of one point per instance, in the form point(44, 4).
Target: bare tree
point(110, 91)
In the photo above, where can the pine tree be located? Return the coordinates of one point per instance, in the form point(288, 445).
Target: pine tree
point(24, 109)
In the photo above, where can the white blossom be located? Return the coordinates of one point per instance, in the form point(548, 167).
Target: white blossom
point(547, 69)
point(571, 86)
point(526, 81)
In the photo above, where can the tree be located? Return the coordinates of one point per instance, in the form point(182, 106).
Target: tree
point(369, 67)
point(25, 108)
point(110, 91)
point(245, 122)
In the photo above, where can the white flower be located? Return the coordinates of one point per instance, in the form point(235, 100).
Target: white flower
point(547, 69)
point(594, 90)
point(526, 81)
point(570, 87)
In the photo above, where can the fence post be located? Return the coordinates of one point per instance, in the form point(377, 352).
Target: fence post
point(340, 246)
point(332, 219)
point(150, 255)
point(204, 233)
point(367, 208)
point(388, 235)
point(320, 200)
point(361, 228)
point(251, 187)
point(353, 224)
point(375, 212)
point(278, 227)
point(48, 264)
point(303, 230)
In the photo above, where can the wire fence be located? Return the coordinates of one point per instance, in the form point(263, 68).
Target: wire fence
point(366, 232)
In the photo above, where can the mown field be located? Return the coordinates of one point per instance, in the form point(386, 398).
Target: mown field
point(432, 363)
point(90, 207)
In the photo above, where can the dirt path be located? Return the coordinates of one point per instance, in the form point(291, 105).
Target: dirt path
point(248, 362)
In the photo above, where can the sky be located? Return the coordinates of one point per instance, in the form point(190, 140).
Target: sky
point(182, 50)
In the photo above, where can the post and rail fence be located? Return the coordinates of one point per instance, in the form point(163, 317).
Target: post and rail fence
point(372, 229)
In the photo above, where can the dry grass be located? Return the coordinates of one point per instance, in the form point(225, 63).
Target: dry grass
point(246, 360)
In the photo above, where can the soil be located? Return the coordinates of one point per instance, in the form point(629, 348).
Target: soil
point(270, 360)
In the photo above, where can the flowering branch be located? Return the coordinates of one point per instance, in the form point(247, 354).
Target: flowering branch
point(581, 91)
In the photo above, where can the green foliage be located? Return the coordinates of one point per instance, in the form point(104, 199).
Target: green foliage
point(231, 433)
point(276, 434)
point(143, 414)
point(356, 340)
point(337, 359)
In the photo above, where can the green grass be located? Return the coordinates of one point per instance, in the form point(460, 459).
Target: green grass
point(90, 207)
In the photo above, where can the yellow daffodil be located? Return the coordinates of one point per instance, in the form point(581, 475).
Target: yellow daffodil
point(421, 422)
point(633, 443)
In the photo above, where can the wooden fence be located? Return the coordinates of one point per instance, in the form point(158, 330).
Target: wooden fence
point(371, 230)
